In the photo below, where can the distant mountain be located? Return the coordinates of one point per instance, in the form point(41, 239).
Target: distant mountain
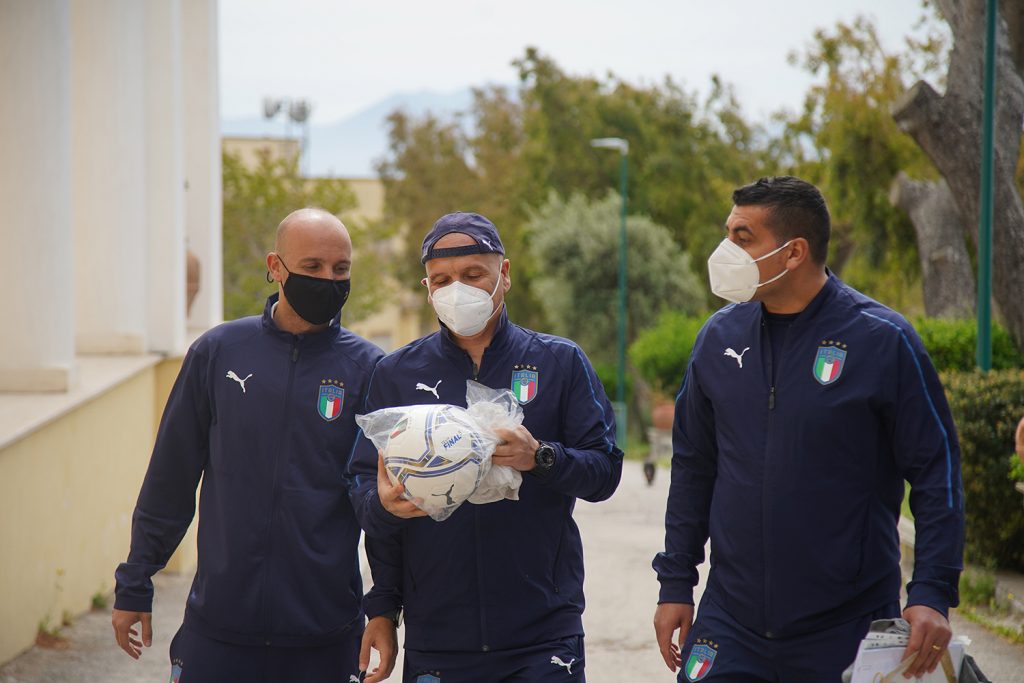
point(350, 147)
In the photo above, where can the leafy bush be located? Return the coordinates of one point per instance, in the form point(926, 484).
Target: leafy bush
point(986, 409)
point(660, 353)
point(607, 373)
point(952, 344)
point(1016, 468)
point(574, 244)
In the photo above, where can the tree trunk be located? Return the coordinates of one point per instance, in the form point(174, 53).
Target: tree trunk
point(948, 128)
point(946, 274)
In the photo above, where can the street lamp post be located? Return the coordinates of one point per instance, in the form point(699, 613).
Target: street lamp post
point(295, 111)
point(984, 348)
point(620, 378)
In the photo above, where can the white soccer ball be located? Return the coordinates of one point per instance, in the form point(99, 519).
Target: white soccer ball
point(437, 452)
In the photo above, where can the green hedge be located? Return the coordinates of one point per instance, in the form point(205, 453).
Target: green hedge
point(986, 409)
point(660, 353)
point(952, 344)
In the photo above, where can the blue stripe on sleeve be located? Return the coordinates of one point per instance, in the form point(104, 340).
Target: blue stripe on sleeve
point(931, 406)
point(593, 394)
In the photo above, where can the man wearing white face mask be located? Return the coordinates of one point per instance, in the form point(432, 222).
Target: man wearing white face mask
point(804, 408)
point(495, 592)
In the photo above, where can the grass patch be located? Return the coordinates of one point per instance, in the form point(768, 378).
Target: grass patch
point(978, 588)
point(984, 618)
point(49, 636)
point(99, 601)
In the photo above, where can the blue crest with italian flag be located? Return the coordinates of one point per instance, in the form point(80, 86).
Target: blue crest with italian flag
point(330, 399)
point(829, 364)
point(702, 657)
point(525, 382)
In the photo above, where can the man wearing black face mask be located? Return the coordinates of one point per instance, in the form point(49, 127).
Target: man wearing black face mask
point(263, 412)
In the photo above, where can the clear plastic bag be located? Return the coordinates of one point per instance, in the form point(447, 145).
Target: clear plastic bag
point(442, 453)
point(495, 409)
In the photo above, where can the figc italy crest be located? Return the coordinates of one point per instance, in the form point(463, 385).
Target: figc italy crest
point(525, 382)
point(330, 399)
point(702, 657)
point(829, 363)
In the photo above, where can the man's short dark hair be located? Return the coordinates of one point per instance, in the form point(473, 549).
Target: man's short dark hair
point(795, 209)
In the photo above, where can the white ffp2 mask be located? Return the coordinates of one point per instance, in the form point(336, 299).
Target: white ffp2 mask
point(464, 309)
point(733, 272)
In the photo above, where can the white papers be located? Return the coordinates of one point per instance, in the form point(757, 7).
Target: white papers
point(880, 655)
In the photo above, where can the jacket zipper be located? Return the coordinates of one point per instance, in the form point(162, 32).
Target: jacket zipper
point(481, 593)
point(764, 478)
point(480, 580)
point(278, 454)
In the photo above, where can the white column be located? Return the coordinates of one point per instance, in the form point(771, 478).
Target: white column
point(37, 308)
point(109, 175)
point(200, 80)
point(165, 178)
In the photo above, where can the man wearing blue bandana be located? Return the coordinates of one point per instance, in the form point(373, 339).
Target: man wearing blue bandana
point(494, 592)
point(805, 407)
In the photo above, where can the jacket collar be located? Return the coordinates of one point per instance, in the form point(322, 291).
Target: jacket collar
point(824, 295)
point(502, 332)
point(316, 338)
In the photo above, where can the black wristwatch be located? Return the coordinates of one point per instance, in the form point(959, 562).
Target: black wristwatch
point(544, 457)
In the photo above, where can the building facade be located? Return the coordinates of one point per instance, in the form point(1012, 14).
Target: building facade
point(110, 171)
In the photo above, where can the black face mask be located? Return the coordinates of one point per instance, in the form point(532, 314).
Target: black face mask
point(316, 299)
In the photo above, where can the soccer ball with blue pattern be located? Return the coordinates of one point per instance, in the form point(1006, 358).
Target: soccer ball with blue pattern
point(440, 454)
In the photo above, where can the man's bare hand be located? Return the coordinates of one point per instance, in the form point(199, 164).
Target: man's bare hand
point(518, 449)
point(669, 617)
point(930, 634)
point(391, 495)
point(128, 637)
point(382, 636)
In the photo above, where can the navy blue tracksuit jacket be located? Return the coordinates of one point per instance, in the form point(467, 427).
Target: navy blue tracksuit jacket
point(797, 471)
point(277, 534)
point(507, 574)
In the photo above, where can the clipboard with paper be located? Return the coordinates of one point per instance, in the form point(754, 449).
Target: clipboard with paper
point(880, 656)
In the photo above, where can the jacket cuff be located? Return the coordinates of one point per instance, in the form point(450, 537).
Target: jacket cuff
point(675, 591)
point(376, 604)
point(385, 524)
point(133, 603)
point(929, 596)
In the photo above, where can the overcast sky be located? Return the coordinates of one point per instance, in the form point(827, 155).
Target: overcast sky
point(345, 55)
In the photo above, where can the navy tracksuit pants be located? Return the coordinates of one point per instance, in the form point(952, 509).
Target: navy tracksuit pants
point(718, 648)
point(198, 659)
point(558, 661)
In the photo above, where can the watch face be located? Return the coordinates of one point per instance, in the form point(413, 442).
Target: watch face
point(545, 456)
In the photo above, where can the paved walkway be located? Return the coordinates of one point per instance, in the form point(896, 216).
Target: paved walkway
point(620, 538)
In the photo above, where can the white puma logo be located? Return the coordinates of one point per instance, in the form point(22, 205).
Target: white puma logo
point(241, 382)
point(738, 356)
point(433, 390)
point(352, 678)
point(557, 661)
